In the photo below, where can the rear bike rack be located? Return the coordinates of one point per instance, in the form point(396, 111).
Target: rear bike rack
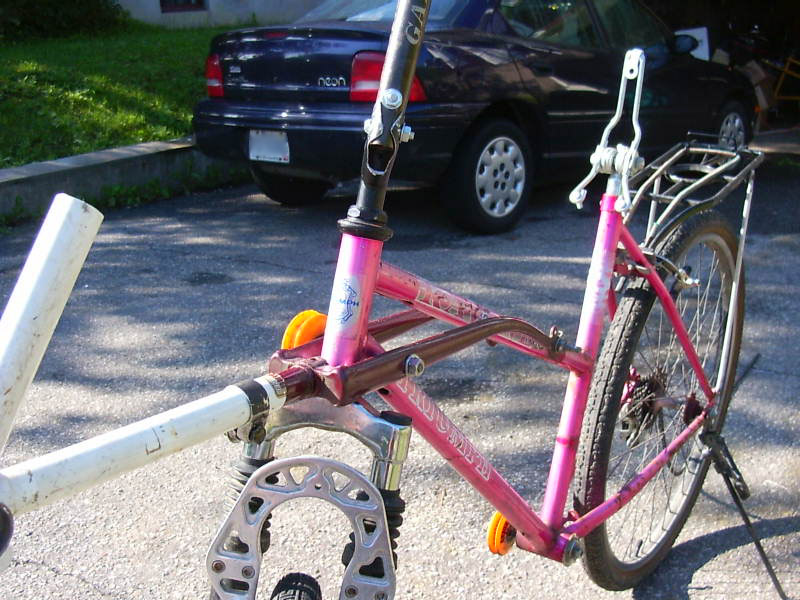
point(234, 559)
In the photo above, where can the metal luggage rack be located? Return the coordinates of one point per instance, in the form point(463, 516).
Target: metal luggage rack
point(691, 177)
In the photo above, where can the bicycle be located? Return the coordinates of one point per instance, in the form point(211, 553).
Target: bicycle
point(648, 405)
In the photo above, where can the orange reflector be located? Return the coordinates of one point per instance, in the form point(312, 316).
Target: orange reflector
point(304, 327)
point(500, 535)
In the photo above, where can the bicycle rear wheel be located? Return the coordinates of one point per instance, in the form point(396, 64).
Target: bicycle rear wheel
point(643, 394)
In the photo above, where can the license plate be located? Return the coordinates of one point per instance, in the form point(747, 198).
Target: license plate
point(269, 146)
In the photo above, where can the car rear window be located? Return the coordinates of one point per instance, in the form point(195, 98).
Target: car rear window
point(376, 10)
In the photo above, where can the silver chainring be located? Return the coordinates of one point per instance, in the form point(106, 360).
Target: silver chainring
point(234, 558)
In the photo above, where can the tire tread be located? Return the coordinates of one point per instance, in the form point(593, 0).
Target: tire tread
point(296, 586)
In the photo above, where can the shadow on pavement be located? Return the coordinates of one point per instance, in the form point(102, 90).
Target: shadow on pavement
point(689, 557)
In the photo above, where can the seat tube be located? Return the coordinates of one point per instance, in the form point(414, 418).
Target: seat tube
point(351, 299)
point(364, 229)
point(590, 330)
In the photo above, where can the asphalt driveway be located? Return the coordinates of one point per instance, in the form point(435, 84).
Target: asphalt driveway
point(181, 298)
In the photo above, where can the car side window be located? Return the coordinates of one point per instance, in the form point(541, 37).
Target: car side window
point(628, 24)
point(567, 23)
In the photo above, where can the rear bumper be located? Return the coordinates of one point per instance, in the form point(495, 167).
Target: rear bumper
point(327, 143)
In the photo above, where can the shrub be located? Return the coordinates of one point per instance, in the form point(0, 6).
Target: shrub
point(24, 19)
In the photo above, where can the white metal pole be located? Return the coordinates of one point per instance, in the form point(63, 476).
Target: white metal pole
point(45, 479)
point(39, 297)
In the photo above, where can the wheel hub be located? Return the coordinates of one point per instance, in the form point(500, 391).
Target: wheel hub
point(639, 414)
point(732, 131)
point(500, 176)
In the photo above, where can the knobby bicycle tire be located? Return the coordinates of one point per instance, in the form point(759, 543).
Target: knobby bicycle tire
point(642, 395)
point(296, 586)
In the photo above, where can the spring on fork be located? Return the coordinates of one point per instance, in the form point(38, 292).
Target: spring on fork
point(241, 472)
point(395, 506)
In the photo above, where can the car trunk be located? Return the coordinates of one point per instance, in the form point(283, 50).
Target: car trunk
point(308, 63)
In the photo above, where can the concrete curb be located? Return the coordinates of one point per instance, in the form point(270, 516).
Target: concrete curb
point(170, 163)
point(32, 187)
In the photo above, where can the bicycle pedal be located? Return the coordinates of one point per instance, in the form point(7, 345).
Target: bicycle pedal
point(234, 568)
point(500, 535)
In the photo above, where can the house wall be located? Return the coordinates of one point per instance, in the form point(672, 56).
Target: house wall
point(221, 12)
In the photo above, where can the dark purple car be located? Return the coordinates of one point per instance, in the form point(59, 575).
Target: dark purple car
point(507, 94)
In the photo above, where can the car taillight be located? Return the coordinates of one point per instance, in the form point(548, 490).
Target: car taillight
point(214, 77)
point(365, 79)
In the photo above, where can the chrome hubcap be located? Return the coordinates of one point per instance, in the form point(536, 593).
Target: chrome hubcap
point(732, 132)
point(500, 177)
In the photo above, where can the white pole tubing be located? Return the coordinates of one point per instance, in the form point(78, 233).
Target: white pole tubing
point(45, 479)
point(39, 297)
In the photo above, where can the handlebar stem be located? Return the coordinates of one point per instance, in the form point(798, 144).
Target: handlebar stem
point(386, 129)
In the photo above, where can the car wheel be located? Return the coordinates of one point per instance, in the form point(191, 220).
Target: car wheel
point(734, 125)
point(487, 186)
point(290, 191)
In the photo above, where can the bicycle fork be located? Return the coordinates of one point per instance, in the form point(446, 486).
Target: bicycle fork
point(373, 505)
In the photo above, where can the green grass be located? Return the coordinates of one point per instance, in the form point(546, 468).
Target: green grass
point(69, 96)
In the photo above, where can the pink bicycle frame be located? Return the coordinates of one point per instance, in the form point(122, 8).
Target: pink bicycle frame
point(347, 341)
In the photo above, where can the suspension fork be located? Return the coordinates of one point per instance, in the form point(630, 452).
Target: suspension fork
point(387, 435)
